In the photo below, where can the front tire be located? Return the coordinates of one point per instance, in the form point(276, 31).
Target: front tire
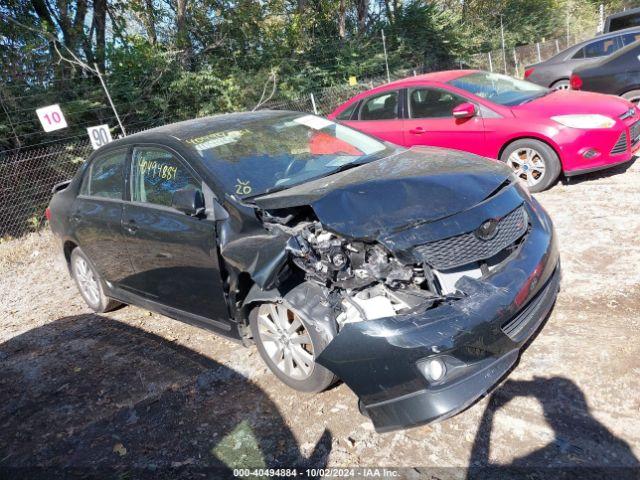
point(288, 346)
point(89, 283)
point(633, 96)
point(534, 162)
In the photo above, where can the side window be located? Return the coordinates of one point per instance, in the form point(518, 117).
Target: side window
point(105, 176)
point(346, 113)
point(579, 53)
point(156, 174)
point(629, 38)
point(432, 103)
point(601, 48)
point(380, 107)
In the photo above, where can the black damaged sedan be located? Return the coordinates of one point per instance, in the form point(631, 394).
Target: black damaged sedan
point(414, 276)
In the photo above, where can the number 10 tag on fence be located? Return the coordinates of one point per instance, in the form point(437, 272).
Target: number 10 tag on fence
point(99, 135)
point(51, 118)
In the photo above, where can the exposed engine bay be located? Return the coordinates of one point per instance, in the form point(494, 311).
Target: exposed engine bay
point(363, 279)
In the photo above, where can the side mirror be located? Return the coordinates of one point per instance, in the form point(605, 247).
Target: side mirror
point(189, 202)
point(464, 110)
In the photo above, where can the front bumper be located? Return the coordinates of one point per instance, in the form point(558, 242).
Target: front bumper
point(478, 337)
point(573, 143)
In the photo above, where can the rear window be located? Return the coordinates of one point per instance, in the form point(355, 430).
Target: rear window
point(105, 177)
point(380, 107)
point(626, 21)
point(347, 112)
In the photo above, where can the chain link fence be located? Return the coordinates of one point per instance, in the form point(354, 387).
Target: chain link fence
point(27, 175)
point(512, 61)
point(26, 180)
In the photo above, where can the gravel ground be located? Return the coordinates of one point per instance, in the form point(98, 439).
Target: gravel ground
point(132, 391)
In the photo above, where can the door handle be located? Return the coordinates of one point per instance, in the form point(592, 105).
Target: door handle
point(417, 130)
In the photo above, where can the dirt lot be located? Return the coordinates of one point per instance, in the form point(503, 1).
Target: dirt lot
point(131, 391)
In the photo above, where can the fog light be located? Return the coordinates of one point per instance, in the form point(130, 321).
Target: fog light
point(590, 153)
point(434, 369)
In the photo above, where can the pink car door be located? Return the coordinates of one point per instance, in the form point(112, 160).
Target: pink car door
point(379, 115)
point(430, 121)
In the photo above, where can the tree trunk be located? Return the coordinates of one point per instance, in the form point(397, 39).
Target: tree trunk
point(363, 10)
point(99, 22)
point(182, 34)
point(150, 22)
point(342, 11)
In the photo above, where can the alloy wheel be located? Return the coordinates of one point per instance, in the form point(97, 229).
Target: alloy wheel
point(528, 164)
point(286, 340)
point(86, 280)
point(635, 99)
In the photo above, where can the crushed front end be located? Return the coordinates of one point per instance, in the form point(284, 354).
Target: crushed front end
point(426, 315)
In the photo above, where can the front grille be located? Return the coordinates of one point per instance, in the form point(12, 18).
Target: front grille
point(621, 144)
point(634, 131)
point(524, 323)
point(466, 248)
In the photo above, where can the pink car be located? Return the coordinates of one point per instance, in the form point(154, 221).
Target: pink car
point(539, 133)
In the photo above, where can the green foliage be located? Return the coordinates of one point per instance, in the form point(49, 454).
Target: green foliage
point(221, 56)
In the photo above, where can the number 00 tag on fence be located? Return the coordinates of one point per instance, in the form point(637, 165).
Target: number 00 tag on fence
point(51, 118)
point(99, 135)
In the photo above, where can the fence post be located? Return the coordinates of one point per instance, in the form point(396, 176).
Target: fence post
point(538, 48)
point(557, 46)
point(313, 103)
point(386, 61)
point(515, 62)
point(490, 62)
point(113, 107)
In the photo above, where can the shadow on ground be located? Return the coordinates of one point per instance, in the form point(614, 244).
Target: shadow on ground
point(608, 172)
point(92, 395)
point(581, 446)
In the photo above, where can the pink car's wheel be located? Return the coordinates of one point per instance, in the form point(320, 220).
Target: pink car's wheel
point(533, 162)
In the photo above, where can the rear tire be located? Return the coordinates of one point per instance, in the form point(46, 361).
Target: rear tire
point(287, 344)
point(534, 162)
point(633, 96)
point(90, 283)
point(563, 84)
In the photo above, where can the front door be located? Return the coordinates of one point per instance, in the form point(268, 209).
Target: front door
point(174, 254)
point(430, 121)
point(379, 116)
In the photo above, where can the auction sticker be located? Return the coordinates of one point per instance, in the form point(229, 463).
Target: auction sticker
point(311, 121)
point(216, 139)
point(51, 118)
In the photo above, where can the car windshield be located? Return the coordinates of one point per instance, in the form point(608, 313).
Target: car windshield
point(278, 152)
point(499, 88)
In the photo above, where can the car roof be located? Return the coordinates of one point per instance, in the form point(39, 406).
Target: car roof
point(439, 77)
point(204, 125)
point(603, 36)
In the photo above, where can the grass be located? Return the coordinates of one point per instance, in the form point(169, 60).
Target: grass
point(18, 252)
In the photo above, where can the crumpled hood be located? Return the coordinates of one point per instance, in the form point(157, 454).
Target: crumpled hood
point(405, 189)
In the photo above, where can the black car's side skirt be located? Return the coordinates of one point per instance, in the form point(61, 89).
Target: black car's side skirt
point(225, 329)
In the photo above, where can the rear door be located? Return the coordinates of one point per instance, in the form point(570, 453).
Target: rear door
point(380, 115)
point(174, 255)
point(430, 121)
point(96, 216)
